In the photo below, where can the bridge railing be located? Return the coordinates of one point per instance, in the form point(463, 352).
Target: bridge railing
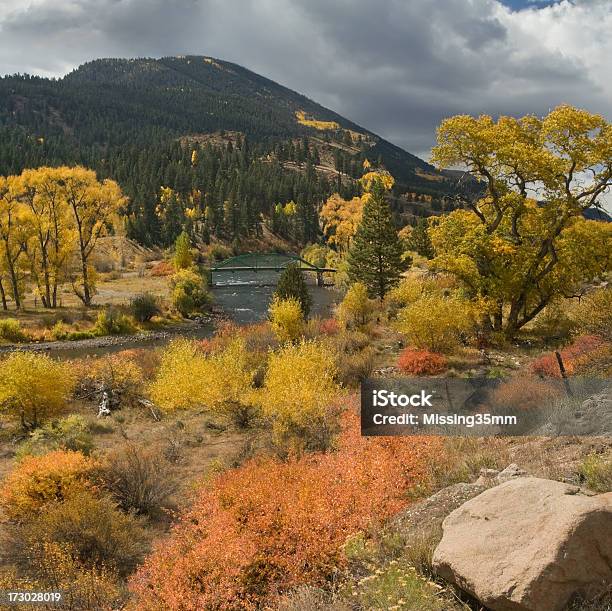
point(253, 262)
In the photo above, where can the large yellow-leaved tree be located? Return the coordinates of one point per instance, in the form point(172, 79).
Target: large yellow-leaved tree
point(523, 240)
point(94, 207)
point(47, 217)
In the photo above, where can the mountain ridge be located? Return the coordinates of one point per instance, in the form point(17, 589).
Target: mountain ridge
point(200, 74)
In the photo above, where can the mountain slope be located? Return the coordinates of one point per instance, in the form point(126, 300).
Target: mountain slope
point(111, 101)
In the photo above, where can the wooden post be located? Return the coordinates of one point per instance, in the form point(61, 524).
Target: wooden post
point(320, 281)
point(566, 383)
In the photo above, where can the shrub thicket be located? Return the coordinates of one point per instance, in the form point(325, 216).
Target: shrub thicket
point(437, 323)
point(11, 331)
point(270, 526)
point(69, 433)
point(112, 322)
point(189, 292)
point(144, 307)
point(287, 319)
point(356, 309)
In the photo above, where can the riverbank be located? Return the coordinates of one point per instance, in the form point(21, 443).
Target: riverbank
point(203, 326)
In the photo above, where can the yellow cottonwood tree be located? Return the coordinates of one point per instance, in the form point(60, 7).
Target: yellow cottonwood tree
point(94, 207)
point(51, 235)
point(11, 230)
point(523, 240)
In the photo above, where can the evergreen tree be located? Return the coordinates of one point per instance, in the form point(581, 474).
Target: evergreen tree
point(375, 256)
point(419, 240)
point(292, 284)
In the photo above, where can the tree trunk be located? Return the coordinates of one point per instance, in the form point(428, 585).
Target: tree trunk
point(86, 294)
point(46, 295)
point(3, 296)
point(498, 317)
point(13, 276)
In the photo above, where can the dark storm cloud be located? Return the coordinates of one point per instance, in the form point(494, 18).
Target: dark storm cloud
point(394, 66)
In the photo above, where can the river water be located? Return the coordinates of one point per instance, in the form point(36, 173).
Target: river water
point(245, 296)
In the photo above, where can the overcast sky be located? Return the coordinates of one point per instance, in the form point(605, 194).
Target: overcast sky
point(396, 67)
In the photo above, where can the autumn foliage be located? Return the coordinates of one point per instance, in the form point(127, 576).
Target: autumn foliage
point(287, 319)
point(422, 362)
point(38, 480)
point(573, 355)
point(34, 387)
point(190, 378)
point(299, 390)
point(271, 525)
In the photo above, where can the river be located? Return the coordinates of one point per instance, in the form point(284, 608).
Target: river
point(243, 296)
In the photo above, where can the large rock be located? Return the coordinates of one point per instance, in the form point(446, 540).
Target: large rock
point(528, 544)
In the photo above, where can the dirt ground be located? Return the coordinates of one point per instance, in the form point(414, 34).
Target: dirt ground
point(194, 445)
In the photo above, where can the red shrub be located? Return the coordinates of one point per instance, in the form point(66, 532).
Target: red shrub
point(329, 326)
point(163, 268)
point(576, 352)
point(421, 362)
point(269, 526)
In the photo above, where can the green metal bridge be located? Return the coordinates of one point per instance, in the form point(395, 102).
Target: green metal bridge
point(266, 262)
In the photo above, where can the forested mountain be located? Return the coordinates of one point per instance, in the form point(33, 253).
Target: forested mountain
point(203, 142)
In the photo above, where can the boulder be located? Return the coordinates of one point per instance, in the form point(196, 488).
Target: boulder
point(510, 472)
point(528, 544)
point(428, 514)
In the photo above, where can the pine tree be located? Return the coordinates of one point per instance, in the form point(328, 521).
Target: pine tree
point(419, 240)
point(375, 256)
point(291, 284)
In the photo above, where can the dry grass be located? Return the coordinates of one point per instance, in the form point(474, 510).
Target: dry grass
point(461, 461)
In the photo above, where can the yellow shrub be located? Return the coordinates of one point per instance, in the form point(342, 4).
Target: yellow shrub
point(93, 528)
point(38, 480)
point(356, 308)
point(287, 319)
point(412, 288)
point(299, 389)
point(436, 323)
point(34, 387)
point(188, 378)
point(55, 568)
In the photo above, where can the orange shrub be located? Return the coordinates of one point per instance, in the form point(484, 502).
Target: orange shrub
point(421, 362)
point(38, 480)
point(524, 392)
point(576, 352)
point(269, 525)
point(163, 268)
